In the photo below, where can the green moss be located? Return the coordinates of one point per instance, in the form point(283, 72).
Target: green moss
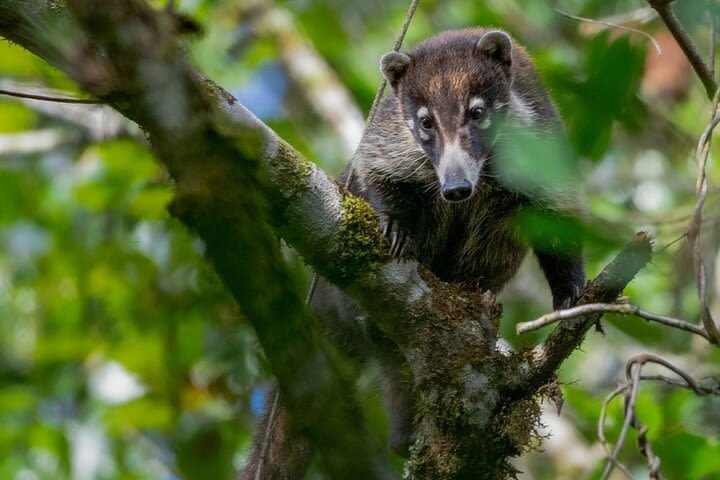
point(56, 4)
point(360, 247)
point(432, 458)
point(290, 171)
point(521, 424)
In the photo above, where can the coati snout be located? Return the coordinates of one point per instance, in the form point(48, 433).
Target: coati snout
point(454, 102)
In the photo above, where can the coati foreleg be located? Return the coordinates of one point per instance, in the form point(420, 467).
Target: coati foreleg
point(398, 399)
point(565, 273)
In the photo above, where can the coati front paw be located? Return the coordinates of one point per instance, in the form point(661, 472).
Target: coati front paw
point(570, 300)
point(399, 241)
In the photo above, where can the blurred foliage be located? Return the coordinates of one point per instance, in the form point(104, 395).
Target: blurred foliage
point(122, 356)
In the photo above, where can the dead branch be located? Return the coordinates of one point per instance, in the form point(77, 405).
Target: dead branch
point(568, 335)
point(695, 224)
point(630, 388)
point(624, 309)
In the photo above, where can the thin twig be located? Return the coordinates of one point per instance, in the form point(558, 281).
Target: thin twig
point(624, 309)
point(639, 16)
point(695, 387)
point(644, 358)
point(633, 377)
point(630, 400)
point(671, 243)
point(46, 98)
point(606, 24)
point(688, 46)
point(601, 429)
point(695, 224)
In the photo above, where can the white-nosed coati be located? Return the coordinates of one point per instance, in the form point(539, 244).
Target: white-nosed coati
point(430, 164)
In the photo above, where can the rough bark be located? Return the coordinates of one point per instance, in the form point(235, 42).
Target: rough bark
point(238, 184)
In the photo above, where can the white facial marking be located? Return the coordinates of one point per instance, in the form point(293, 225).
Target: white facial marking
point(423, 134)
point(422, 112)
point(485, 124)
point(475, 102)
point(521, 110)
point(456, 160)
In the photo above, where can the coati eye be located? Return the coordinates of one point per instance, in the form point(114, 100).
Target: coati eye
point(477, 112)
point(426, 122)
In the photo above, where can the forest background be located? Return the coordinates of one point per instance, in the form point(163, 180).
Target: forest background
point(122, 355)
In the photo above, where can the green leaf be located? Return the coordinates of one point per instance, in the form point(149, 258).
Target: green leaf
point(151, 202)
point(679, 452)
point(140, 414)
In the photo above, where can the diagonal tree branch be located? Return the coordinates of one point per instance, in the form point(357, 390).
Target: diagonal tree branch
point(568, 335)
point(621, 308)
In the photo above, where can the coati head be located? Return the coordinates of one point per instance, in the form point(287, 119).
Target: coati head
point(453, 92)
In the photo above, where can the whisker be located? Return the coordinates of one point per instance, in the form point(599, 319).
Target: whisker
point(422, 164)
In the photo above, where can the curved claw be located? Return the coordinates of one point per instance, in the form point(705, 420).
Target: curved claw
point(570, 301)
point(392, 231)
point(385, 224)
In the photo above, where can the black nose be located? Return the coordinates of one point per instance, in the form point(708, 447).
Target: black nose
point(457, 191)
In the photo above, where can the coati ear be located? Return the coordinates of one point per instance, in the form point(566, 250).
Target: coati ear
point(394, 65)
point(497, 46)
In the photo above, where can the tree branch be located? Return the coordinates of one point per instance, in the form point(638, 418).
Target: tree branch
point(568, 335)
point(624, 309)
point(630, 389)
